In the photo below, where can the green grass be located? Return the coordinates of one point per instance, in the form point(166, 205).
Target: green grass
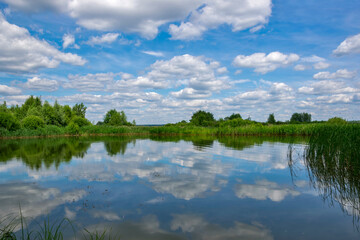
point(46, 230)
point(171, 129)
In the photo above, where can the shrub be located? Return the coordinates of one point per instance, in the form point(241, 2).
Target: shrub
point(72, 128)
point(80, 121)
point(33, 122)
point(8, 121)
point(337, 120)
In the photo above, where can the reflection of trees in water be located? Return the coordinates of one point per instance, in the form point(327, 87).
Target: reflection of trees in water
point(48, 151)
point(117, 145)
point(243, 142)
point(39, 152)
point(332, 159)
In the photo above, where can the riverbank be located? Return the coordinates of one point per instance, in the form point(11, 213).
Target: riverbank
point(247, 130)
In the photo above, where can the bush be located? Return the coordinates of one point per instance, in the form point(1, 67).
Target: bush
point(33, 122)
point(72, 128)
point(337, 120)
point(8, 121)
point(80, 121)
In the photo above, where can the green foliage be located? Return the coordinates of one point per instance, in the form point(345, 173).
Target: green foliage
point(73, 128)
point(233, 116)
point(80, 121)
point(34, 111)
point(8, 121)
point(202, 118)
point(68, 114)
point(32, 122)
point(271, 119)
point(115, 118)
point(3, 107)
point(300, 118)
point(337, 120)
point(79, 110)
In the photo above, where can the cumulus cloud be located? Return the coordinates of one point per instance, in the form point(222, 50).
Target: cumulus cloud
point(68, 40)
point(339, 74)
point(35, 6)
point(348, 46)
point(20, 52)
point(196, 72)
point(6, 90)
point(327, 87)
point(145, 17)
point(90, 82)
point(41, 84)
point(239, 15)
point(106, 38)
point(265, 63)
point(190, 93)
point(264, 189)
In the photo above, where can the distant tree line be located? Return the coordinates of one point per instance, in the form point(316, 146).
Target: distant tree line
point(34, 114)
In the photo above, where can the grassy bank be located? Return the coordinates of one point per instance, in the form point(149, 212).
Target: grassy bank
point(246, 130)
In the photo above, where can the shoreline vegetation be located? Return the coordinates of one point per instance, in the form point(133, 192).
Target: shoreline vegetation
point(37, 119)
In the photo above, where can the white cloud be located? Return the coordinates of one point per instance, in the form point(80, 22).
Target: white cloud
point(106, 38)
point(20, 52)
point(6, 90)
point(90, 82)
point(300, 67)
point(190, 93)
point(196, 72)
point(153, 53)
point(68, 40)
point(251, 14)
point(41, 84)
point(265, 63)
point(339, 74)
point(145, 17)
point(327, 87)
point(35, 6)
point(348, 46)
point(264, 189)
point(321, 65)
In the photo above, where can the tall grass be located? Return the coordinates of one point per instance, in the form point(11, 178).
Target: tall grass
point(332, 158)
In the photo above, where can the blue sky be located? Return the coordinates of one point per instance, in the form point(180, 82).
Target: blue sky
point(160, 61)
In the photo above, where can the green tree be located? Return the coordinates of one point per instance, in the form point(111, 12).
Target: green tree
point(301, 118)
point(68, 114)
point(8, 121)
point(79, 110)
point(3, 107)
point(202, 118)
point(32, 122)
point(115, 118)
point(234, 116)
point(271, 119)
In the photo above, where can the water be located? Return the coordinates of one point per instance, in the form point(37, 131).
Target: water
point(174, 188)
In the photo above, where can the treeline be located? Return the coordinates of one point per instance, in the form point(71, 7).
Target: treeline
point(206, 119)
point(34, 114)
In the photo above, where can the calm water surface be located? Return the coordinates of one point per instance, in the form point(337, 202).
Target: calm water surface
point(173, 188)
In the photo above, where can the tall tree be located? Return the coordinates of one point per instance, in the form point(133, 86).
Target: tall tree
point(79, 110)
point(271, 119)
point(202, 118)
point(300, 117)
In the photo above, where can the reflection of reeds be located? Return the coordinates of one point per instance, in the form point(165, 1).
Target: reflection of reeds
point(332, 158)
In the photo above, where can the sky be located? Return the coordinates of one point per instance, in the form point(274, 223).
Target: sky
point(159, 61)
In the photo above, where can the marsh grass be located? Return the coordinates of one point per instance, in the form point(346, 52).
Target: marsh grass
point(16, 228)
point(332, 159)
